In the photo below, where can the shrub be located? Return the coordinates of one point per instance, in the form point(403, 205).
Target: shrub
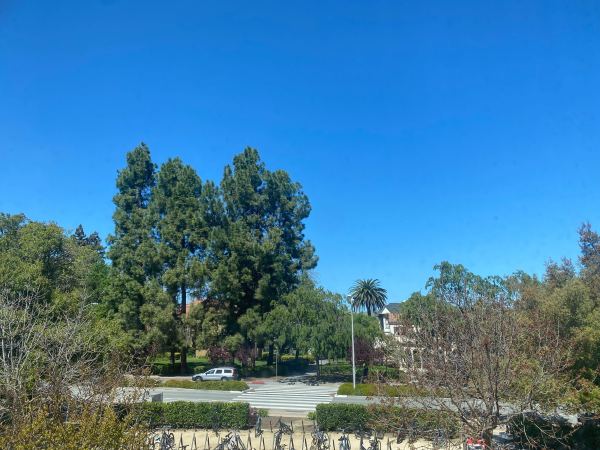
point(342, 416)
point(218, 355)
point(207, 385)
point(536, 432)
point(387, 390)
point(163, 368)
point(195, 414)
point(352, 417)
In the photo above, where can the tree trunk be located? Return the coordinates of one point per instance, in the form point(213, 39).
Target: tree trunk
point(297, 356)
point(270, 357)
point(172, 357)
point(368, 310)
point(184, 367)
point(318, 366)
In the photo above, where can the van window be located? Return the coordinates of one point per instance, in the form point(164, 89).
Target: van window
point(228, 371)
point(210, 372)
point(218, 372)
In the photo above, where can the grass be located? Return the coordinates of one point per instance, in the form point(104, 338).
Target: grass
point(207, 385)
point(384, 390)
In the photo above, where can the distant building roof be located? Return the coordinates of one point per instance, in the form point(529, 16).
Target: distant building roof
point(391, 307)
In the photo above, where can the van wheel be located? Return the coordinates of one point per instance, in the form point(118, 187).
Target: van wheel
point(223, 379)
point(199, 379)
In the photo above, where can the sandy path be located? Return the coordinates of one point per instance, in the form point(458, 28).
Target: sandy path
point(209, 440)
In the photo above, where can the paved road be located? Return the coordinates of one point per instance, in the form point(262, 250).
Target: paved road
point(297, 398)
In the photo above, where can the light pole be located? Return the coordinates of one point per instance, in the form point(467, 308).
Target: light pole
point(352, 328)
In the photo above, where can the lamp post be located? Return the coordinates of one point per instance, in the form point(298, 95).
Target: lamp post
point(352, 331)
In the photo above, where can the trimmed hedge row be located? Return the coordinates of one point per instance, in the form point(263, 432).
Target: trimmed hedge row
point(371, 390)
point(352, 417)
point(207, 385)
point(182, 414)
point(344, 370)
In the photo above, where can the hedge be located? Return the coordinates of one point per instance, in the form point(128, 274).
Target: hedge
point(182, 414)
point(344, 370)
point(207, 385)
point(353, 417)
point(371, 390)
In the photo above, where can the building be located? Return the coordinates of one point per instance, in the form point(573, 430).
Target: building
point(389, 319)
point(409, 355)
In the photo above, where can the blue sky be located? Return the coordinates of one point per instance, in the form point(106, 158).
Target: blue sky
point(421, 131)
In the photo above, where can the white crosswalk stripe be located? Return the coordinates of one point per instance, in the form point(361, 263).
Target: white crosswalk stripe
point(298, 397)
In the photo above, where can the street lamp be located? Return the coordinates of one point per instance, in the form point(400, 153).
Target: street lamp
point(352, 328)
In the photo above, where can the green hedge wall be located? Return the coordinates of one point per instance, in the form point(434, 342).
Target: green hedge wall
point(344, 371)
point(195, 414)
point(207, 385)
point(352, 417)
point(388, 390)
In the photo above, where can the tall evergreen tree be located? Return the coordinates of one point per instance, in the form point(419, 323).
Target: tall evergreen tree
point(133, 249)
point(263, 252)
point(181, 234)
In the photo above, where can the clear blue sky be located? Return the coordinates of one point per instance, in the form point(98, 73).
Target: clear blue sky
point(421, 131)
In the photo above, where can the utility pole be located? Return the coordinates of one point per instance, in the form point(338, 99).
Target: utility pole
point(352, 332)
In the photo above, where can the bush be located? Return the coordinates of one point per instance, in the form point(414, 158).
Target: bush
point(537, 432)
point(352, 417)
point(195, 415)
point(218, 354)
point(163, 368)
point(379, 373)
point(387, 390)
point(342, 416)
point(207, 385)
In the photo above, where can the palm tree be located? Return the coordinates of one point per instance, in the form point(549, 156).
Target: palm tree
point(368, 294)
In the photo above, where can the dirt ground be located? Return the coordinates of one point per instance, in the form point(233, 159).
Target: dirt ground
point(208, 439)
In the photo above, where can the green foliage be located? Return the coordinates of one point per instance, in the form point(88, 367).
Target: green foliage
point(342, 416)
point(376, 372)
point(261, 252)
point(368, 294)
point(538, 432)
point(352, 417)
point(262, 412)
point(309, 319)
point(207, 385)
point(181, 414)
point(384, 390)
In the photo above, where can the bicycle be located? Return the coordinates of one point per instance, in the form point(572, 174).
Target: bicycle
point(258, 431)
point(344, 441)
point(320, 440)
point(278, 435)
point(163, 441)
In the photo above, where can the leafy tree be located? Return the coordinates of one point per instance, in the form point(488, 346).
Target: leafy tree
point(310, 319)
point(39, 257)
point(368, 294)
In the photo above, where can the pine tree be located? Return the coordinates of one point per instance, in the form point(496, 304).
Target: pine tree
point(133, 249)
point(262, 252)
point(181, 234)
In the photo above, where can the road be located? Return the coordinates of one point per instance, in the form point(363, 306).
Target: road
point(283, 399)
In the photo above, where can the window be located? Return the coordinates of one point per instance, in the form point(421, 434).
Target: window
point(228, 371)
point(210, 372)
point(218, 372)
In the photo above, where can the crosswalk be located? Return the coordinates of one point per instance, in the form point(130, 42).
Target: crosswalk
point(297, 397)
